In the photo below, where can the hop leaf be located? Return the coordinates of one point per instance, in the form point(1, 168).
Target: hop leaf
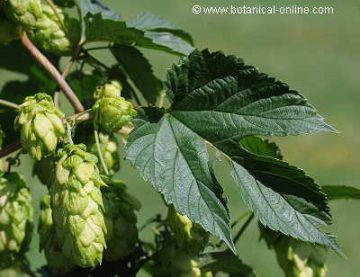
point(15, 217)
point(24, 12)
point(56, 33)
point(190, 236)
point(56, 260)
point(40, 125)
point(120, 220)
point(8, 30)
point(78, 206)
point(111, 111)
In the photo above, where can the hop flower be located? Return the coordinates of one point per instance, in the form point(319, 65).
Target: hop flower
point(120, 220)
point(15, 217)
point(40, 125)
point(111, 111)
point(190, 235)
point(56, 33)
point(24, 12)
point(56, 260)
point(174, 261)
point(8, 30)
point(109, 150)
point(78, 207)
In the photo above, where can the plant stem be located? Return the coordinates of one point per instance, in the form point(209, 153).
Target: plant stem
point(9, 104)
point(68, 133)
point(243, 228)
point(41, 59)
point(9, 149)
point(103, 164)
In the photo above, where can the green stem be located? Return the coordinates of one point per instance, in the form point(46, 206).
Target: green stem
point(243, 228)
point(68, 133)
point(96, 134)
point(9, 104)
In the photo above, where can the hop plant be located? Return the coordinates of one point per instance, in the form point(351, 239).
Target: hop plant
point(109, 151)
point(55, 32)
point(111, 111)
point(23, 12)
point(56, 260)
point(8, 30)
point(78, 206)
point(40, 125)
point(120, 220)
point(15, 217)
point(190, 235)
point(174, 261)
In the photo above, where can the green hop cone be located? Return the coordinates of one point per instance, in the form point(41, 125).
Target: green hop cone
point(78, 207)
point(40, 125)
point(109, 151)
point(120, 220)
point(8, 30)
point(56, 33)
point(174, 261)
point(56, 260)
point(111, 111)
point(296, 258)
point(15, 217)
point(23, 12)
point(190, 235)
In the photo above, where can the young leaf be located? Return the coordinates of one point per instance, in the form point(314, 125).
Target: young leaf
point(99, 23)
point(139, 70)
point(226, 262)
point(341, 192)
point(174, 159)
point(222, 98)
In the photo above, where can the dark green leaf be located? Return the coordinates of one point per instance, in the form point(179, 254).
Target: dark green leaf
point(341, 192)
point(174, 159)
point(226, 262)
point(139, 70)
point(257, 146)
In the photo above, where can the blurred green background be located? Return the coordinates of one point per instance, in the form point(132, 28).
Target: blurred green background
point(317, 55)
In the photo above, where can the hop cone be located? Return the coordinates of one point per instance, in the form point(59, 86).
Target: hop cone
point(296, 258)
point(23, 12)
point(109, 150)
point(174, 261)
point(78, 206)
point(8, 30)
point(55, 33)
point(40, 125)
point(111, 111)
point(120, 220)
point(190, 235)
point(56, 260)
point(15, 217)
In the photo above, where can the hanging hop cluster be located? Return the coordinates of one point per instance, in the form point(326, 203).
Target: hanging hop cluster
point(78, 206)
point(15, 217)
point(120, 220)
point(109, 149)
point(47, 26)
point(56, 260)
point(55, 32)
point(40, 125)
point(111, 111)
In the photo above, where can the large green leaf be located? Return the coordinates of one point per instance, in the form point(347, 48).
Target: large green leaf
point(99, 23)
point(174, 159)
point(139, 71)
point(341, 192)
point(217, 98)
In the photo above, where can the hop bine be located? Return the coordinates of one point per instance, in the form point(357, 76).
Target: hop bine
point(23, 12)
point(120, 220)
point(56, 260)
point(55, 32)
point(111, 111)
point(40, 125)
point(15, 217)
point(78, 207)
